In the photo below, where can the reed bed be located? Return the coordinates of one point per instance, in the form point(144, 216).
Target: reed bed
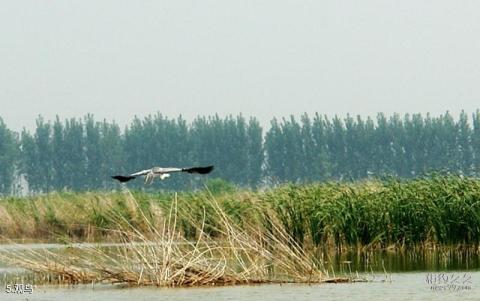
point(160, 254)
point(426, 212)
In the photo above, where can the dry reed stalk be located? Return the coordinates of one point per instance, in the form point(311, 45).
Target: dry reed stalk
point(162, 256)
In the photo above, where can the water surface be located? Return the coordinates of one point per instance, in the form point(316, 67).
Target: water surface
point(403, 286)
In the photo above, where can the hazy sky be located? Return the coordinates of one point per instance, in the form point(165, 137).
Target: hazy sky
point(118, 59)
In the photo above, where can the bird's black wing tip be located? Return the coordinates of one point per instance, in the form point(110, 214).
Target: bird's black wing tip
point(123, 179)
point(200, 170)
point(209, 168)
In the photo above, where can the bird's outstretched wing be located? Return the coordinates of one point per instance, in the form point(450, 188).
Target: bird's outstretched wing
point(200, 170)
point(162, 171)
point(141, 173)
point(132, 176)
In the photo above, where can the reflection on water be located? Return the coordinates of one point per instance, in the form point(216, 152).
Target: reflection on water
point(406, 261)
point(440, 259)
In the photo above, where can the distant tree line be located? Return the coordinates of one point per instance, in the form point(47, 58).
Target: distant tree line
point(81, 153)
point(354, 148)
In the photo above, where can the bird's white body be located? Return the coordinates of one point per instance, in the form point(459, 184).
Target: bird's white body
point(156, 172)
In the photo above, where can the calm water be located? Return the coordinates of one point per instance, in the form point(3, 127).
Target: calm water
point(403, 286)
point(408, 277)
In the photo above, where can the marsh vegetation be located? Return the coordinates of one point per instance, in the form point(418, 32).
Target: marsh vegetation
point(438, 210)
point(223, 235)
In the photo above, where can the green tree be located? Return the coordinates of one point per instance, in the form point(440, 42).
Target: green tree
point(464, 145)
point(255, 152)
point(449, 142)
point(28, 161)
point(308, 170)
point(383, 154)
point(44, 155)
point(275, 154)
point(75, 158)
point(59, 155)
point(320, 162)
point(399, 158)
point(475, 141)
point(8, 151)
point(336, 140)
point(112, 153)
point(93, 154)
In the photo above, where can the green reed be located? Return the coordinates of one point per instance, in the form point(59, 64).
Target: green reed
point(436, 210)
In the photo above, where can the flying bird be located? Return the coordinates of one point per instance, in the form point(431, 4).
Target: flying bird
point(162, 173)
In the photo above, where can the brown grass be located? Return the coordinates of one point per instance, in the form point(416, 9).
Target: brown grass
point(154, 251)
